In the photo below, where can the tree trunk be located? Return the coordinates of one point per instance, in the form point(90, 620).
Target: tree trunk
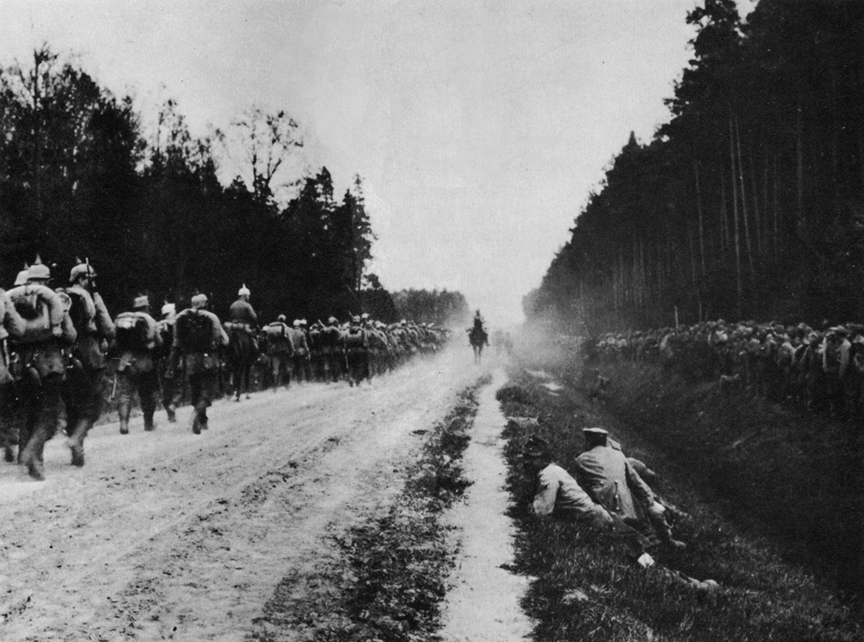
point(744, 205)
point(699, 211)
point(739, 287)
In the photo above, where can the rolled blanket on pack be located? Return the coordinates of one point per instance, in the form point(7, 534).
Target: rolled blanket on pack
point(42, 310)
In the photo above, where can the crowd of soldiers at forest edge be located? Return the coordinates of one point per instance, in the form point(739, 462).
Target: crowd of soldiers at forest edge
point(60, 346)
point(820, 368)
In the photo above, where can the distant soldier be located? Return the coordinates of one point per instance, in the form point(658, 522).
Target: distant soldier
point(280, 350)
point(137, 337)
point(198, 334)
point(172, 388)
point(42, 350)
point(302, 358)
point(84, 392)
point(332, 350)
point(356, 345)
point(242, 327)
point(241, 312)
point(12, 326)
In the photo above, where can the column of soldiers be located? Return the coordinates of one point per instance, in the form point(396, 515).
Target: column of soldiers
point(821, 369)
point(59, 348)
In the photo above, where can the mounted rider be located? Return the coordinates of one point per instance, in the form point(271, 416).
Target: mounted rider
point(198, 334)
point(84, 392)
point(242, 316)
point(137, 337)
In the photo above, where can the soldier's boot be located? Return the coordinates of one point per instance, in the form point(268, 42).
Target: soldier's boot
point(148, 406)
point(9, 453)
point(172, 414)
point(76, 441)
point(31, 455)
point(124, 408)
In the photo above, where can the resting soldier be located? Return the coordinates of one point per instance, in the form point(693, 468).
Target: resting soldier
point(84, 391)
point(279, 350)
point(137, 336)
point(558, 493)
point(607, 475)
point(41, 348)
point(198, 334)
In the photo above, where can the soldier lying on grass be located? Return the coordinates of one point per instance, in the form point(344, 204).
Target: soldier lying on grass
point(560, 495)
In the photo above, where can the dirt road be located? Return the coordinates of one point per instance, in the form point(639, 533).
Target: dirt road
point(170, 535)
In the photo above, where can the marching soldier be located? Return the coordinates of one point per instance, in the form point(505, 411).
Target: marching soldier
point(356, 345)
point(137, 336)
point(11, 326)
point(280, 350)
point(172, 388)
point(198, 334)
point(84, 391)
point(41, 348)
point(302, 357)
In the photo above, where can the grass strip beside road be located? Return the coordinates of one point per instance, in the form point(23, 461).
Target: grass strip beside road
point(585, 587)
point(389, 581)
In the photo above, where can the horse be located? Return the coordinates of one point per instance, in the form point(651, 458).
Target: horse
point(478, 338)
point(242, 354)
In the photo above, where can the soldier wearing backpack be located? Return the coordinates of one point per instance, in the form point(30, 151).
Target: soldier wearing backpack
point(172, 388)
point(136, 337)
point(42, 351)
point(280, 350)
point(83, 393)
point(198, 335)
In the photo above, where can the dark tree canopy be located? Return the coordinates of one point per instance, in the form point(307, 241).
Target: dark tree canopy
point(79, 179)
point(749, 202)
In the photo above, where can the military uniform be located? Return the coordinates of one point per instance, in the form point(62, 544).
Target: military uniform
point(172, 387)
point(280, 350)
point(84, 391)
point(356, 346)
point(137, 336)
point(198, 356)
point(44, 361)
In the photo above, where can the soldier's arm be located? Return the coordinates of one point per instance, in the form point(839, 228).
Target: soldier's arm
point(13, 323)
point(638, 487)
point(103, 320)
point(544, 499)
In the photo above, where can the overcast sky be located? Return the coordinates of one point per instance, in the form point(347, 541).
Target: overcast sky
point(480, 128)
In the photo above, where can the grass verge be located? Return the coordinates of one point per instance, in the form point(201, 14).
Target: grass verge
point(585, 588)
point(390, 578)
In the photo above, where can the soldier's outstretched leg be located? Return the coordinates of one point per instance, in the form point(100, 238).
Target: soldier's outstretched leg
point(148, 392)
point(42, 414)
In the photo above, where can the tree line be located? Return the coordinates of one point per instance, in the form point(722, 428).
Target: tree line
point(749, 201)
point(79, 178)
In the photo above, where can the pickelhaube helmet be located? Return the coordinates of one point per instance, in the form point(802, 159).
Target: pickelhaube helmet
point(141, 302)
point(21, 279)
point(244, 291)
point(38, 271)
point(81, 269)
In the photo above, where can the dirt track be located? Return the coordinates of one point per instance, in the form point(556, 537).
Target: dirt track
point(170, 535)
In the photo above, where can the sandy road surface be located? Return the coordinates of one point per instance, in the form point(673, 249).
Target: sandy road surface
point(170, 535)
